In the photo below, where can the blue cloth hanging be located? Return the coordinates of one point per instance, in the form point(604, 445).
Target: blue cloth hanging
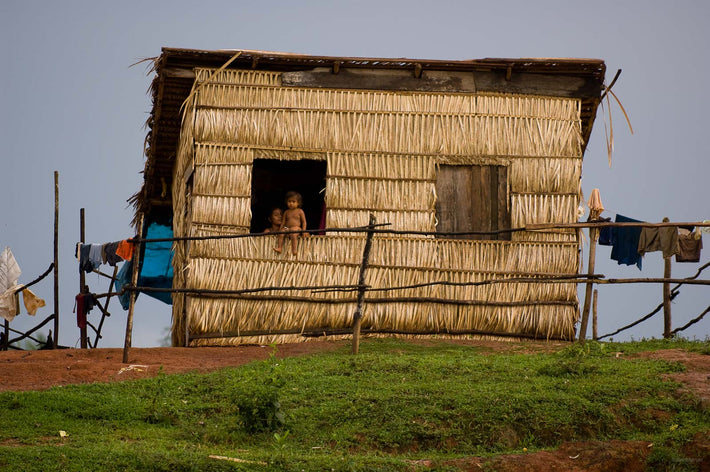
point(156, 267)
point(625, 242)
point(157, 262)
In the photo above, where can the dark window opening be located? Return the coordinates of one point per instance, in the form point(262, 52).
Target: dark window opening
point(272, 178)
point(472, 198)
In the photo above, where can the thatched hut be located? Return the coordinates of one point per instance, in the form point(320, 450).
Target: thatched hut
point(425, 145)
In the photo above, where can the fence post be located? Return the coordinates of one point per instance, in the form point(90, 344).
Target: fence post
point(667, 298)
point(594, 315)
point(357, 319)
point(134, 282)
point(56, 260)
point(82, 278)
point(593, 235)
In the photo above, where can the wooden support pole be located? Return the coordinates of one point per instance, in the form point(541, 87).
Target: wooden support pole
point(134, 281)
point(593, 235)
point(357, 319)
point(594, 315)
point(104, 310)
point(667, 298)
point(56, 259)
point(82, 276)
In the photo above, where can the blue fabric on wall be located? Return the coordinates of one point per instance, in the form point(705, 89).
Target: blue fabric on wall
point(625, 242)
point(157, 263)
point(156, 266)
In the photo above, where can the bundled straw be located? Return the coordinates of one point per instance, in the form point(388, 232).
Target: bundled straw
point(382, 150)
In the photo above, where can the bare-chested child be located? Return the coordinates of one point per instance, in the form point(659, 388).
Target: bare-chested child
point(294, 219)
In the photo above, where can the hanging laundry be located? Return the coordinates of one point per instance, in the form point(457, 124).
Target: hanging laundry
point(84, 261)
point(605, 238)
point(595, 205)
point(9, 270)
point(90, 256)
point(9, 273)
point(85, 302)
point(8, 303)
point(155, 270)
point(123, 278)
point(605, 235)
point(690, 246)
point(626, 242)
point(125, 250)
point(32, 302)
point(659, 239)
point(109, 253)
point(80, 311)
point(95, 255)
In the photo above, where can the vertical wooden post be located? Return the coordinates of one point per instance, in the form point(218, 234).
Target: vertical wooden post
point(593, 235)
point(108, 299)
point(357, 319)
point(82, 277)
point(56, 259)
point(6, 337)
point(594, 315)
point(134, 282)
point(667, 298)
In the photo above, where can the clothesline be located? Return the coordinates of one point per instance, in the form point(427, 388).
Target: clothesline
point(604, 224)
point(528, 227)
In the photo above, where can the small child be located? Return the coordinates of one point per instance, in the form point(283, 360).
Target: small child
point(294, 219)
point(275, 218)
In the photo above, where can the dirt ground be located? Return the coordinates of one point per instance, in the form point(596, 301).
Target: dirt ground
point(38, 370)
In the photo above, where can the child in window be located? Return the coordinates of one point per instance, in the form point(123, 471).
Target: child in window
point(275, 218)
point(294, 219)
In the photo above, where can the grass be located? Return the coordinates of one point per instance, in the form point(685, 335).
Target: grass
point(393, 403)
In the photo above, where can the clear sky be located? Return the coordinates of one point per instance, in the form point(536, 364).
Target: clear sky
point(69, 101)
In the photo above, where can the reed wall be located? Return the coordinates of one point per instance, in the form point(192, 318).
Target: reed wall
point(382, 150)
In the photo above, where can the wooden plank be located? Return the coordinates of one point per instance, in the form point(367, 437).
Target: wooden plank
point(494, 200)
point(445, 202)
point(463, 200)
point(179, 72)
point(445, 81)
point(473, 198)
point(503, 203)
point(486, 202)
point(537, 84)
point(381, 79)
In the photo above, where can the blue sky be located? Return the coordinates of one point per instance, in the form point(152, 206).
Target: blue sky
point(69, 101)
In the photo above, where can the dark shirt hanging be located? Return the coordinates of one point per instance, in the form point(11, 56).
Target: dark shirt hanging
point(626, 242)
point(110, 252)
point(690, 248)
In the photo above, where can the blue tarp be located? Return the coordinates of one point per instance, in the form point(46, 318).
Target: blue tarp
point(156, 266)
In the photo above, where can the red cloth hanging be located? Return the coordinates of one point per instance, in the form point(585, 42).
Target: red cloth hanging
point(80, 311)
